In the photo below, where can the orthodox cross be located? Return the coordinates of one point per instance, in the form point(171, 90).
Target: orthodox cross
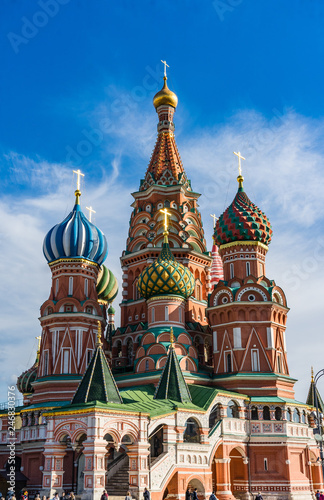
point(91, 211)
point(165, 66)
point(79, 174)
point(39, 342)
point(213, 216)
point(240, 157)
point(166, 215)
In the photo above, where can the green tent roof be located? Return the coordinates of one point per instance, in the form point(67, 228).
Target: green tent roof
point(172, 384)
point(98, 383)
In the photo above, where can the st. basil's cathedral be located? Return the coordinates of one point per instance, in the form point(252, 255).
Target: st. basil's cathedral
point(192, 389)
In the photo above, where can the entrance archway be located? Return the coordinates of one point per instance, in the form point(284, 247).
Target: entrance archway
point(80, 474)
point(238, 473)
point(196, 483)
point(156, 442)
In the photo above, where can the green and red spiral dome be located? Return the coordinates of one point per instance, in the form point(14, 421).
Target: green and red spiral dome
point(242, 221)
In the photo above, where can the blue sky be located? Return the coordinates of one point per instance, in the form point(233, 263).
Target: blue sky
point(76, 90)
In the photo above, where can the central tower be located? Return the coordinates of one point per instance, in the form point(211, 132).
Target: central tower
point(165, 185)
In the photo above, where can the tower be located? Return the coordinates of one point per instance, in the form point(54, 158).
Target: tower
point(81, 289)
point(247, 311)
point(165, 185)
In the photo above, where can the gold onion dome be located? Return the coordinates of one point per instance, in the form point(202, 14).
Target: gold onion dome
point(165, 97)
point(166, 276)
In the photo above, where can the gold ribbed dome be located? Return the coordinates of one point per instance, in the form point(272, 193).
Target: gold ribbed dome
point(166, 276)
point(165, 96)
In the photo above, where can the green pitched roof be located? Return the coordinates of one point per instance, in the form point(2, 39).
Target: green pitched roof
point(311, 397)
point(98, 383)
point(172, 384)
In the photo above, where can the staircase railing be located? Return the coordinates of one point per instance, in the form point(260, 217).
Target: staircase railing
point(116, 464)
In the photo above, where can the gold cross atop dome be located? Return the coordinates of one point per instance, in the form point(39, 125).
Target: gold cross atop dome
point(166, 215)
point(213, 216)
point(39, 342)
point(91, 211)
point(165, 67)
point(77, 193)
point(240, 157)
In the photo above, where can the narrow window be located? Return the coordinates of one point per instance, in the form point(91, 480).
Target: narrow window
point(279, 363)
point(86, 287)
point(265, 464)
point(56, 286)
point(231, 270)
point(153, 314)
point(66, 361)
point(261, 269)
point(180, 315)
point(70, 285)
point(166, 313)
point(198, 293)
point(146, 365)
point(229, 362)
point(45, 363)
point(255, 360)
point(89, 356)
point(266, 413)
point(248, 269)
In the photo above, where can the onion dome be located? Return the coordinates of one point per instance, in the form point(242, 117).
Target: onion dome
point(25, 380)
point(75, 237)
point(111, 310)
point(107, 286)
point(242, 221)
point(166, 276)
point(165, 97)
point(216, 270)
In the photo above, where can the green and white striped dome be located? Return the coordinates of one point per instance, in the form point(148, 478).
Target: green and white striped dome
point(107, 286)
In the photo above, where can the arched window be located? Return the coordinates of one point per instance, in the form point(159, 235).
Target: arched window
point(167, 204)
point(248, 268)
point(146, 365)
point(303, 417)
point(166, 313)
point(70, 286)
point(231, 270)
point(185, 208)
point(206, 351)
point(191, 433)
point(214, 415)
point(266, 413)
point(289, 416)
point(254, 413)
point(148, 208)
point(86, 291)
point(119, 349)
point(232, 410)
point(153, 314)
point(278, 413)
point(296, 416)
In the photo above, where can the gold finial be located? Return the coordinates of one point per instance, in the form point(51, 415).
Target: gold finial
point(91, 211)
point(165, 67)
point(77, 191)
point(166, 224)
point(240, 177)
point(312, 374)
point(99, 334)
point(171, 337)
point(39, 342)
point(213, 216)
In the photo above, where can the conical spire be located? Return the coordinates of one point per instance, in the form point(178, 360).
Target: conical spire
point(216, 270)
point(172, 384)
point(98, 383)
point(311, 395)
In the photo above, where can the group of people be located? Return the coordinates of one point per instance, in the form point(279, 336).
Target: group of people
point(24, 496)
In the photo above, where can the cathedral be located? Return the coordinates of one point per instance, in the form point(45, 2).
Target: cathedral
point(192, 388)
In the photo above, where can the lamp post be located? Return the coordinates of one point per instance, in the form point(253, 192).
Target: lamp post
point(319, 439)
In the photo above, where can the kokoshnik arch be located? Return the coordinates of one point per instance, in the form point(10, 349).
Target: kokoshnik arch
point(193, 387)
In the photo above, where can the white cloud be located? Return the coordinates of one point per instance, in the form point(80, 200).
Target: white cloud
point(283, 176)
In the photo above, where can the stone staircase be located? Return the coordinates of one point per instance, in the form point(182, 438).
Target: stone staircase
point(118, 484)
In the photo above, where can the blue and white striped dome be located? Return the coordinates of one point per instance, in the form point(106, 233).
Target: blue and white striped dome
point(75, 237)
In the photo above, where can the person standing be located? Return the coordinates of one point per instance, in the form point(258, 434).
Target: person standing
point(146, 494)
point(317, 495)
point(188, 494)
point(195, 494)
point(104, 495)
point(128, 496)
point(259, 496)
point(213, 496)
